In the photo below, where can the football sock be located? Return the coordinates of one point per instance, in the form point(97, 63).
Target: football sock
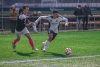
point(15, 41)
point(34, 27)
point(31, 43)
point(47, 42)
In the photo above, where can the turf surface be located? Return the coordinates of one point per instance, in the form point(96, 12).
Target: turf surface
point(85, 47)
point(82, 43)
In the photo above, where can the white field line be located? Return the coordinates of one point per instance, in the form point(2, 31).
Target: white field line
point(28, 60)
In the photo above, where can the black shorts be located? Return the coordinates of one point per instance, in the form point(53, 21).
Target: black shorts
point(54, 34)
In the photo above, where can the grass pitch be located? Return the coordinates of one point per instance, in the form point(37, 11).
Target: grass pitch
point(85, 47)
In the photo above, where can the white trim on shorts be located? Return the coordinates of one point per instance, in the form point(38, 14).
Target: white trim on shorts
point(24, 31)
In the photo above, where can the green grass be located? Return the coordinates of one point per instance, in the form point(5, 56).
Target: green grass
point(82, 43)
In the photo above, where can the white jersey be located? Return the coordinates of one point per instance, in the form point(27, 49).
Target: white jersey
point(54, 22)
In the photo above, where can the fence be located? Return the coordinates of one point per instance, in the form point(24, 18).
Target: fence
point(50, 3)
point(94, 23)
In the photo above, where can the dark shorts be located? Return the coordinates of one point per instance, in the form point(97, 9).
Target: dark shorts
point(54, 34)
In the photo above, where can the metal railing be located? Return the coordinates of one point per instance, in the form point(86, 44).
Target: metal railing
point(93, 23)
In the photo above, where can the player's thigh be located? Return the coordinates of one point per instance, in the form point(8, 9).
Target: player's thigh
point(54, 35)
point(28, 36)
point(50, 35)
point(18, 34)
point(26, 33)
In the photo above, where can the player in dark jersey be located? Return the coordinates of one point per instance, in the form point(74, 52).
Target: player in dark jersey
point(21, 28)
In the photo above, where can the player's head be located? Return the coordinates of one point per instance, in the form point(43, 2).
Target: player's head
point(25, 9)
point(55, 14)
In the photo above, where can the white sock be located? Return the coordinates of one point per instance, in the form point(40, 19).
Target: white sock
point(47, 42)
point(34, 27)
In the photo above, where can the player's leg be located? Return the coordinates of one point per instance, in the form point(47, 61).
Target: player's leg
point(34, 27)
point(51, 37)
point(27, 34)
point(18, 34)
point(37, 26)
point(45, 44)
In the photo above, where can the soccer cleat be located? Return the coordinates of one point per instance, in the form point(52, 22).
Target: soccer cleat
point(14, 47)
point(43, 48)
point(34, 48)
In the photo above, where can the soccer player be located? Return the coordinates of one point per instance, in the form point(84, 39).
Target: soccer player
point(54, 20)
point(21, 28)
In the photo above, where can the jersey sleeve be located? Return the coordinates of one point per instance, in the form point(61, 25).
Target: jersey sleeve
point(42, 17)
point(22, 16)
point(65, 19)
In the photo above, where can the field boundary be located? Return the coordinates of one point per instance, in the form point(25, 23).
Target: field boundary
point(7, 32)
point(31, 60)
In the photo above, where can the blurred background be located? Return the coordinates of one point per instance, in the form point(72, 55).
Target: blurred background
point(65, 7)
point(51, 3)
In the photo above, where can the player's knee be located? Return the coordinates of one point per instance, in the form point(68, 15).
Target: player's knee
point(18, 39)
point(50, 36)
point(29, 38)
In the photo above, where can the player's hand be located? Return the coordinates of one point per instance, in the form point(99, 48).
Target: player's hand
point(66, 24)
point(36, 23)
point(31, 24)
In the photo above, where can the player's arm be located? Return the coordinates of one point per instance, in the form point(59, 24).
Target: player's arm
point(66, 21)
point(40, 18)
point(29, 23)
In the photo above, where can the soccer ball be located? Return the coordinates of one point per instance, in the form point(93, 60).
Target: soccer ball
point(68, 51)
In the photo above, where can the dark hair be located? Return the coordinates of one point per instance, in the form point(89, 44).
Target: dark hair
point(55, 11)
point(24, 7)
point(79, 5)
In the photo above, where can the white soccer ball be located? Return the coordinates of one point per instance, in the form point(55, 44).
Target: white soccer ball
point(68, 51)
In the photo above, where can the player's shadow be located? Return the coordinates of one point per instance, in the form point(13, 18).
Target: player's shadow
point(55, 54)
point(24, 54)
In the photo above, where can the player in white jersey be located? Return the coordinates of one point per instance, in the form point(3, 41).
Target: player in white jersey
point(54, 20)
